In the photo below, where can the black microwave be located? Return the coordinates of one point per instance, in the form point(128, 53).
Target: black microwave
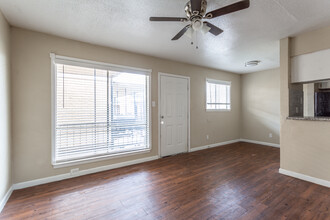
point(322, 104)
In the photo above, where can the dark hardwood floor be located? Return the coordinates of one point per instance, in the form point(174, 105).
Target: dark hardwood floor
point(238, 181)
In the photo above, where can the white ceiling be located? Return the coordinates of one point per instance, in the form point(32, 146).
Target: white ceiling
point(251, 34)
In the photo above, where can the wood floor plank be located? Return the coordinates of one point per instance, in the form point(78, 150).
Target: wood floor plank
point(237, 181)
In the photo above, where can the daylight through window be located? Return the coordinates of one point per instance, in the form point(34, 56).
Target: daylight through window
point(99, 112)
point(217, 95)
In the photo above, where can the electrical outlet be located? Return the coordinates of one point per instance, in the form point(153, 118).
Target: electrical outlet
point(270, 135)
point(74, 171)
point(207, 137)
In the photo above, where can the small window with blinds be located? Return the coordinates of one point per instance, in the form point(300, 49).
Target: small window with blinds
point(100, 111)
point(218, 95)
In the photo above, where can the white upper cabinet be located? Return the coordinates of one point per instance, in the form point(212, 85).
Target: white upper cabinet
point(311, 67)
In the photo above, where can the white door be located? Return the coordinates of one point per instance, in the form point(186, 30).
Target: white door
point(174, 115)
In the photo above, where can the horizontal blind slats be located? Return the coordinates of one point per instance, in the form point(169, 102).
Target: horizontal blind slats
point(99, 112)
point(218, 95)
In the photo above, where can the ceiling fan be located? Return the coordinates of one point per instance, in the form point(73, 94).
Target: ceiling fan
point(196, 12)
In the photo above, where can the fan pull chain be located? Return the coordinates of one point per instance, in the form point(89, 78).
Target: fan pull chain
point(194, 39)
point(196, 36)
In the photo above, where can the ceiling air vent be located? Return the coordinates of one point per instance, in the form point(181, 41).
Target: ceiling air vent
point(252, 63)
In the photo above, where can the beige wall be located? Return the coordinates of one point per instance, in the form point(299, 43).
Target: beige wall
point(5, 157)
point(305, 145)
point(31, 100)
point(260, 94)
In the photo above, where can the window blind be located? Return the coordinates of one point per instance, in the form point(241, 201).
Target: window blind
point(99, 112)
point(217, 95)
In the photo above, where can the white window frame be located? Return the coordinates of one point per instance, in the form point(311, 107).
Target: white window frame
point(56, 59)
point(221, 82)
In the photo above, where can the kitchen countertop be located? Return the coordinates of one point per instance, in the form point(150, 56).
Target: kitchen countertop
point(309, 118)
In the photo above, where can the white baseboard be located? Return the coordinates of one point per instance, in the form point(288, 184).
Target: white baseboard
point(64, 176)
point(213, 145)
point(50, 179)
point(305, 177)
point(260, 142)
point(5, 198)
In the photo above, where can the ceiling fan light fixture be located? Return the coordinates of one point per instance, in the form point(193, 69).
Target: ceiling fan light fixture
point(197, 25)
point(205, 29)
point(196, 13)
point(252, 63)
point(189, 33)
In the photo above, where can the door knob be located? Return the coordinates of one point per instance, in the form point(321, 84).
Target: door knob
point(162, 117)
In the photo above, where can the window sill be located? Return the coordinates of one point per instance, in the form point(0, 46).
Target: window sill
point(218, 110)
point(99, 158)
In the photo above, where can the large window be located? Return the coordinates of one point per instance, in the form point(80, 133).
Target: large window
point(100, 110)
point(218, 95)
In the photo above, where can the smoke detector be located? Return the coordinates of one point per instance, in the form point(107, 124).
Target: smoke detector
point(252, 63)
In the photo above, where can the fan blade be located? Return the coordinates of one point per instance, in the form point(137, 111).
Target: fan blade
point(214, 29)
point(181, 33)
point(228, 9)
point(196, 5)
point(167, 19)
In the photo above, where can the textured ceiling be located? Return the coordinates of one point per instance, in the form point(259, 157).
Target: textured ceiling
point(251, 34)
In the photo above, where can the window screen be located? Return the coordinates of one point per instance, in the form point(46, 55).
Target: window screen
point(217, 95)
point(99, 112)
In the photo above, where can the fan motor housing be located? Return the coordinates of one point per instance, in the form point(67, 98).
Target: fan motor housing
point(191, 15)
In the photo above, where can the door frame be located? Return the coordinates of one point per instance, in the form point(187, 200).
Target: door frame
point(159, 108)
